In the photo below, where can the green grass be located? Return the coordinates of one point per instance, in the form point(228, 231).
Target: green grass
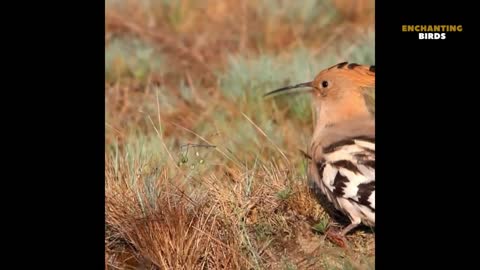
point(321, 226)
point(131, 58)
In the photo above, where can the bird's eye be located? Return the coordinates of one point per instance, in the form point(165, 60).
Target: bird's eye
point(324, 84)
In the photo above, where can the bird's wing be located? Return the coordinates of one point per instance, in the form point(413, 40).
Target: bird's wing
point(348, 170)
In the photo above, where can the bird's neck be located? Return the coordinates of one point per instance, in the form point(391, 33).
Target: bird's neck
point(341, 118)
point(330, 113)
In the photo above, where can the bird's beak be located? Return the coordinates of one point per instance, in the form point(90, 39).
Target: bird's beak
point(306, 84)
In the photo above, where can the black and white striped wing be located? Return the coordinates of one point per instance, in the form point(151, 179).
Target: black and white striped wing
point(347, 173)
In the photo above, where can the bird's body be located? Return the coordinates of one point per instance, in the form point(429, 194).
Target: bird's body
point(341, 170)
point(343, 173)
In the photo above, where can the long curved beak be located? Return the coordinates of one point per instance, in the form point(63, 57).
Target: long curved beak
point(306, 84)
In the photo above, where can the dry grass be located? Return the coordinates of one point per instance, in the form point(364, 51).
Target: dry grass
point(180, 72)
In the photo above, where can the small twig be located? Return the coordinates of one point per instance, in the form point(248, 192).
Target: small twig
point(197, 145)
point(205, 140)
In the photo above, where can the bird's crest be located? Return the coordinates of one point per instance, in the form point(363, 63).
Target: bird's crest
point(352, 66)
point(363, 75)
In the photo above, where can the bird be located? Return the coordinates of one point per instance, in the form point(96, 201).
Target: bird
point(341, 154)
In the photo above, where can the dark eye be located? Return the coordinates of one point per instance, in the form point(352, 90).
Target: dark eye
point(324, 84)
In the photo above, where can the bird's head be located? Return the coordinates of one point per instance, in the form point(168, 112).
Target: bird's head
point(337, 82)
point(341, 92)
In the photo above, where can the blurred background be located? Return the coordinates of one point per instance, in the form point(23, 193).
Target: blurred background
point(195, 156)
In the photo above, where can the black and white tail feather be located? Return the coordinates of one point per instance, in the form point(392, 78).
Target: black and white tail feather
point(345, 177)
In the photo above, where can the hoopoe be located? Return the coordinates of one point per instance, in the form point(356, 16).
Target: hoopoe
point(341, 169)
